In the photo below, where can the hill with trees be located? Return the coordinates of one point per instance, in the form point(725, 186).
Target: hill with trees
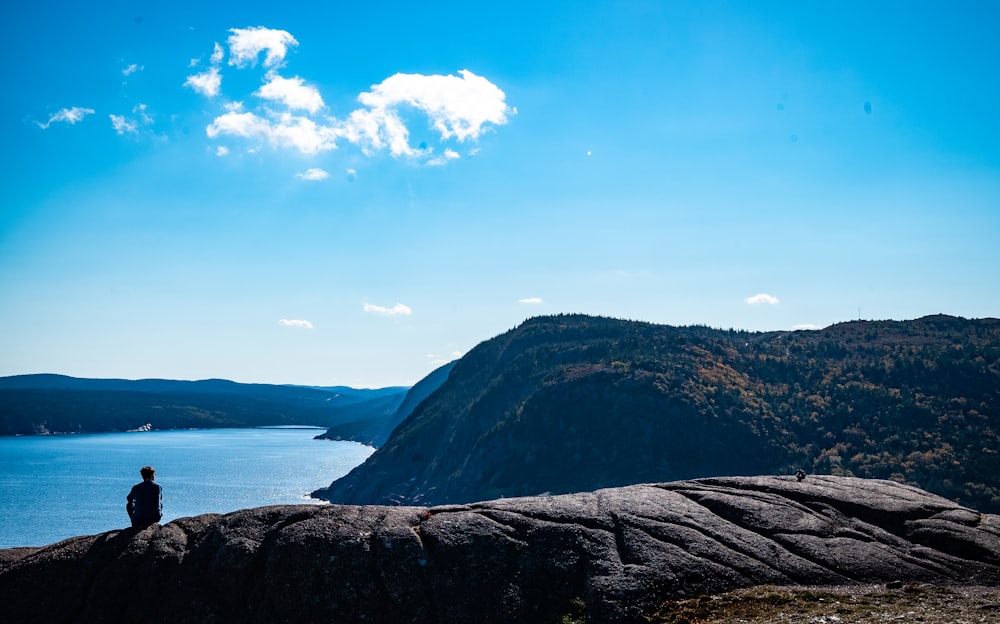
point(42, 404)
point(574, 403)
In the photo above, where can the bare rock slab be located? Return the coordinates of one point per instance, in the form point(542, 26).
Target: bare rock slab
point(619, 552)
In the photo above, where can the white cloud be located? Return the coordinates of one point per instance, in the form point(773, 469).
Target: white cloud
point(532, 300)
point(449, 154)
point(222, 150)
point(123, 125)
point(292, 93)
point(127, 125)
point(217, 54)
point(396, 310)
point(287, 130)
point(303, 134)
point(762, 298)
point(246, 44)
point(352, 174)
point(808, 326)
point(295, 323)
point(314, 174)
point(207, 82)
point(140, 110)
point(458, 107)
point(67, 115)
point(241, 124)
point(131, 69)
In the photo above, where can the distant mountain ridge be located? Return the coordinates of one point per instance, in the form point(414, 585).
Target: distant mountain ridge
point(47, 403)
point(575, 403)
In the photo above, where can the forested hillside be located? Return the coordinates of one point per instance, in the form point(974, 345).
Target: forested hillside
point(575, 403)
point(40, 404)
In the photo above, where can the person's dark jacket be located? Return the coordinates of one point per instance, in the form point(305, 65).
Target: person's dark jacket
point(145, 502)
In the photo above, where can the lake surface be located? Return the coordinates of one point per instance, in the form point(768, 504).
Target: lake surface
point(55, 487)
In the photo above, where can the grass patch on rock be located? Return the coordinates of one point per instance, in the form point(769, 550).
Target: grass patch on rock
point(866, 604)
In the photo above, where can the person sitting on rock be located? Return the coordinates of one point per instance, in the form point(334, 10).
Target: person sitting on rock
point(145, 500)
point(800, 474)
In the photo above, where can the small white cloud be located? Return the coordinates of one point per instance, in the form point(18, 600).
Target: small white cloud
point(302, 324)
point(207, 83)
point(67, 115)
point(291, 92)
point(440, 360)
point(246, 44)
point(532, 300)
point(313, 174)
point(808, 326)
point(449, 154)
point(762, 298)
point(123, 125)
point(131, 69)
point(222, 150)
point(217, 54)
point(396, 310)
point(352, 174)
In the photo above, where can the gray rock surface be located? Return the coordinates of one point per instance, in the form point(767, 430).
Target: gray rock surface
point(620, 551)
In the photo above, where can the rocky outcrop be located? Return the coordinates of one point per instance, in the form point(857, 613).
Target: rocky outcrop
point(619, 552)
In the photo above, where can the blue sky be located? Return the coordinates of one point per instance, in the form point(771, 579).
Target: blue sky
point(351, 193)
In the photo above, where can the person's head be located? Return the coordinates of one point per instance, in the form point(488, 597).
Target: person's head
point(148, 472)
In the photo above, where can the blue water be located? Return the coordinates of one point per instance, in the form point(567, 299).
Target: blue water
point(54, 487)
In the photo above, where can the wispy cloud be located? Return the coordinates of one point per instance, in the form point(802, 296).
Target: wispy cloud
point(315, 174)
point(222, 150)
point(131, 125)
point(449, 154)
point(396, 310)
point(302, 324)
point(67, 115)
point(217, 54)
point(532, 300)
point(805, 326)
point(459, 108)
point(762, 298)
point(131, 69)
point(123, 125)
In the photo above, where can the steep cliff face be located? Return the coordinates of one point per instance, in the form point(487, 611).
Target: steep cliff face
point(576, 403)
point(617, 552)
